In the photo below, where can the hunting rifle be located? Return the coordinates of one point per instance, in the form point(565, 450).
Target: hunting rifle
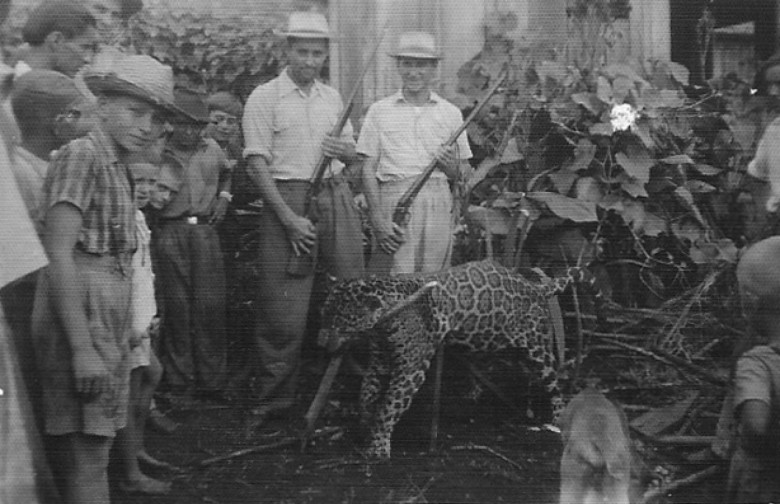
point(380, 263)
point(303, 265)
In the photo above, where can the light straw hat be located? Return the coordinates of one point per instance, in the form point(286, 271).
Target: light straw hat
point(138, 76)
point(415, 44)
point(307, 25)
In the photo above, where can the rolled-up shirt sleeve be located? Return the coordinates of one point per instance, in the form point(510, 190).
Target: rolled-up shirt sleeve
point(753, 378)
point(70, 178)
point(368, 142)
point(258, 124)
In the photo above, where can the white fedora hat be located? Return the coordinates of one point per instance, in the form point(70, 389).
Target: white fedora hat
point(416, 44)
point(307, 25)
point(139, 76)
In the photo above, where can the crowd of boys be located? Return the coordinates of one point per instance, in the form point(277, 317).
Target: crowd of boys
point(89, 155)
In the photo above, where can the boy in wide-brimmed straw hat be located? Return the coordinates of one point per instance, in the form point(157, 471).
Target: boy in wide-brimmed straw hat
point(83, 297)
point(400, 136)
point(287, 124)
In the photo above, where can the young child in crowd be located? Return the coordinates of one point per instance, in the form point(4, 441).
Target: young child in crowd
point(82, 300)
point(146, 370)
point(754, 464)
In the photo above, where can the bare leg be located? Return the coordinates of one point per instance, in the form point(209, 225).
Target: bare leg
point(130, 439)
point(83, 464)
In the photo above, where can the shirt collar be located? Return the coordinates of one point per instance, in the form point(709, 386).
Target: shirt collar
point(398, 97)
point(287, 85)
point(104, 145)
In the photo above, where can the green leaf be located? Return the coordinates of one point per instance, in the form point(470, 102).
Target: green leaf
point(495, 221)
point(633, 187)
point(636, 161)
point(563, 181)
point(699, 186)
point(511, 154)
point(601, 128)
point(590, 101)
point(677, 159)
point(551, 70)
point(481, 172)
point(604, 90)
point(565, 207)
point(679, 72)
point(642, 131)
point(707, 170)
point(621, 88)
point(583, 155)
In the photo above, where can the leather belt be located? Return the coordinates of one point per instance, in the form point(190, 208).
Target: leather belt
point(187, 219)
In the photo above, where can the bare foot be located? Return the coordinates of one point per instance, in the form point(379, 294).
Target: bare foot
point(152, 462)
point(145, 485)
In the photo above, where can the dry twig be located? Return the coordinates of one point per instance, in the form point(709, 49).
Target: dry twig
point(676, 485)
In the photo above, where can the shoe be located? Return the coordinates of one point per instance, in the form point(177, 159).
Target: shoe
point(157, 421)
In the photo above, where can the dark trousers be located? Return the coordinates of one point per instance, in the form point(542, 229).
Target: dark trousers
point(283, 300)
point(191, 292)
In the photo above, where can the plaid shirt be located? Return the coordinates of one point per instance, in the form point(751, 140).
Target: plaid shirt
point(87, 174)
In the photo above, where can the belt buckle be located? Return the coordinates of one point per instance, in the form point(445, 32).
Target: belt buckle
point(192, 219)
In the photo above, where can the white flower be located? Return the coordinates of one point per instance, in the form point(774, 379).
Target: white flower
point(623, 117)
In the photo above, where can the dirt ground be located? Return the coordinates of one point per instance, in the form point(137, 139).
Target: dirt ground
point(487, 452)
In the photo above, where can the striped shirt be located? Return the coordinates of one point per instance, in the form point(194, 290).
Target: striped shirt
point(286, 126)
point(87, 174)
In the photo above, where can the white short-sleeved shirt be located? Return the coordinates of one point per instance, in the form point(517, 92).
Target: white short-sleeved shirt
point(766, 163)
point(406, 137)
point(286, 127)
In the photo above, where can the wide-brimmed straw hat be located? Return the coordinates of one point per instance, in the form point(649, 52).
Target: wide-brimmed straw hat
point(420, 45)
point(307, 25)
point(138, 76)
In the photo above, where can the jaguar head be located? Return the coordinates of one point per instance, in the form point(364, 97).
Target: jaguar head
point(351, 308)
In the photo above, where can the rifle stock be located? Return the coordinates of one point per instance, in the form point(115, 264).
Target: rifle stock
point(303, 265)
point(381, 262)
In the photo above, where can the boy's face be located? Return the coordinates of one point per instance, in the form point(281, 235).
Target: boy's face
point(144, 186)
point(159, 196)
point(222, 126)
point(72, 54)
point(416, 73)
point(186, 134)
point(131, 122)
point(76, 121)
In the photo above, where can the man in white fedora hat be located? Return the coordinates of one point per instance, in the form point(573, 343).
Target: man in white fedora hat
point(286, 128)
point(401, 135)
point(82, 300)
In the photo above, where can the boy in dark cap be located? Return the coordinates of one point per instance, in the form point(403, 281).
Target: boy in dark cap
point(188, 258)
point(50, 112)
point(83, 297)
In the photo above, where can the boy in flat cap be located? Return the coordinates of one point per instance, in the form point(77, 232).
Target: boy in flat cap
point(82, 301)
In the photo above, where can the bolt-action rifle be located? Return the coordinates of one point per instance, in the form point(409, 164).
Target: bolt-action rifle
point(380, 263)
point(303, 265)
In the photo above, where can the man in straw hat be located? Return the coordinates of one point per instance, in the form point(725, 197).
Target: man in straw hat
point(82, 301)
point(286, 124)
point(402, 134)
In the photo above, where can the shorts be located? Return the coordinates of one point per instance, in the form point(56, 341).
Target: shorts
point(106, 292)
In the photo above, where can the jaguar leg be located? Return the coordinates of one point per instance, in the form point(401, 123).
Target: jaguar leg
point(405, 381)
point(371, 385)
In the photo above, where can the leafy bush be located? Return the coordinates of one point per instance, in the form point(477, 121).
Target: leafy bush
point(603, 160)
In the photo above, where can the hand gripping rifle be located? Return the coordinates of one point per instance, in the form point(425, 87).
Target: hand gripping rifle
point(381, 264)
point(303, 265)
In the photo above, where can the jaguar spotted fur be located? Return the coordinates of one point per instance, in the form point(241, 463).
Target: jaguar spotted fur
point(481, 305)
